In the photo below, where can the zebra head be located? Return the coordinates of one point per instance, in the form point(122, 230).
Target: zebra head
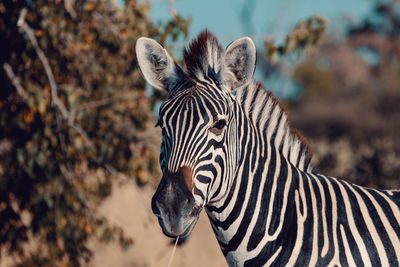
point(199, 141)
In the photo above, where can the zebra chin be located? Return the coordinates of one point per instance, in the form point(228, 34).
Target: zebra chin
point(182, 227)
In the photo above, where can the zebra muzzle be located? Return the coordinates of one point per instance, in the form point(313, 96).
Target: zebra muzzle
point(174, 205)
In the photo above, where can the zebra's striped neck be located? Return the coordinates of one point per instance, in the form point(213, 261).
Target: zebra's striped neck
point(260, 180)
point(271, 119)
point(268, 151)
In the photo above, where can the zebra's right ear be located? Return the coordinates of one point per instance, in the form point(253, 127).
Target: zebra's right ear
point(239, 63)
point(157, 66)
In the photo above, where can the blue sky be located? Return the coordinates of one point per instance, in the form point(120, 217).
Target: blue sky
point(273, 18)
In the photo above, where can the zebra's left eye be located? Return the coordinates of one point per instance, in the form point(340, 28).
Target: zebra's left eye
point(218, 127)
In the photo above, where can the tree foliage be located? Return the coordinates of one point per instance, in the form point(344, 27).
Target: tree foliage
point(308, 33)
point(68, 124)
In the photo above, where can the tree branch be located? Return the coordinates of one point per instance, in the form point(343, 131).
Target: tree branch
point(171, 9)
point(69, 6)
point(15, 80)
point(53, 85)
point(93, 104)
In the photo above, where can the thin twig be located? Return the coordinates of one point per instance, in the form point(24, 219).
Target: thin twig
point(93, 104)
point(115, 173)
point(171, 8)
point(82, 197)
point(173, 252)
point(15, 80)
point(69, 6)
point(53, 85)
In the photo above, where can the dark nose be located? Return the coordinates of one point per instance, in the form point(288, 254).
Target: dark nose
point(173, 197)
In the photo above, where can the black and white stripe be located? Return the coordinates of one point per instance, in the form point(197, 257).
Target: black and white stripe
point(250, 171)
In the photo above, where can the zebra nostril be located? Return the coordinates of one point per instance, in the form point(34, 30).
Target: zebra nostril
point(188, 205)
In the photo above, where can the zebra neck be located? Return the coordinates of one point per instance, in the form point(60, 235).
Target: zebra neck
point(262, 186)
point(265, 112)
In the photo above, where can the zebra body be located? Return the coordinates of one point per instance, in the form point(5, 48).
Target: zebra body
point(228, 148)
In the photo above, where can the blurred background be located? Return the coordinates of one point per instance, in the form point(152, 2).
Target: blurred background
point(78, 147)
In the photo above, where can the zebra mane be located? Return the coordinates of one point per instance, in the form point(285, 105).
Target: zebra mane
point(202, 53)
point(268, 115)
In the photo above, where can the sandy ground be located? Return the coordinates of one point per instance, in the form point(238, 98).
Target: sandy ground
point(129, 207)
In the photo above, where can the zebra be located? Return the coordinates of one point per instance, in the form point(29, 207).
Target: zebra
point(227, 147)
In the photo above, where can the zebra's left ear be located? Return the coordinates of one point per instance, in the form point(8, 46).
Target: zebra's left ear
point(238, 63)
point(158, 67)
